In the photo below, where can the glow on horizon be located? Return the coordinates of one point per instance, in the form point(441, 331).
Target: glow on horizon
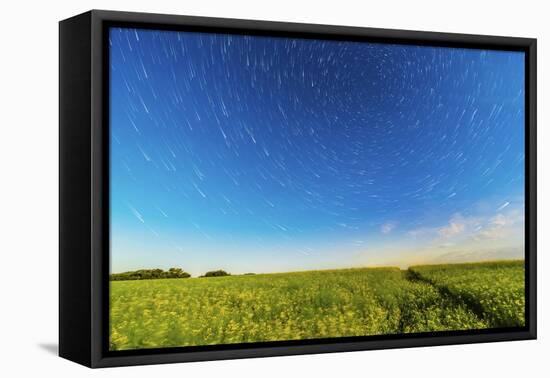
point(462, 239)
point(260, 154)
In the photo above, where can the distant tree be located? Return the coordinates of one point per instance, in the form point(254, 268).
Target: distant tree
point(177, 273)
point(149, 274)
point(216, 273)
point(249, 274)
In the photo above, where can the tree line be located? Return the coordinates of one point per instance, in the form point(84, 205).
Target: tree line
point(152, 274)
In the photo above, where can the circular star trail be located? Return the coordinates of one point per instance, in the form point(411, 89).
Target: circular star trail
point(291, 147)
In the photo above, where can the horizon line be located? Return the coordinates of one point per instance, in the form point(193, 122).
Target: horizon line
point(375, 266)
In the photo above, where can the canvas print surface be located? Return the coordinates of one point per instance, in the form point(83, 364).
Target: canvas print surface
point(272, 189)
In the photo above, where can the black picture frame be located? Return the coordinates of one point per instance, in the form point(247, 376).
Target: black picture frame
point(84, 194)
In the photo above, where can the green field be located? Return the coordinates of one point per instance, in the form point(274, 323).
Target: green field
point(315, 304)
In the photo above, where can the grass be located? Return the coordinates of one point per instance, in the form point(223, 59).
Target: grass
point(496, 290)
point(315, 304)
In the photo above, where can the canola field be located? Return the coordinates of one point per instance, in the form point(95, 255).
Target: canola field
point(161, 313)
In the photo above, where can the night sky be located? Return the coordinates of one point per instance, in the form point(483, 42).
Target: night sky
point(265, 154)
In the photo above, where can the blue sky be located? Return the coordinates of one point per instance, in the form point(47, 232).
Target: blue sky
point(268, 154)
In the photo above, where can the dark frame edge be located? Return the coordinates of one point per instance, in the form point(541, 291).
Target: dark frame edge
point(531, 180)
point(99, 200)
point(280, 27)
point(75, 212)
point(431, 341)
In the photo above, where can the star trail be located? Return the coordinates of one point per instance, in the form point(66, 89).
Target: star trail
point(255, 153)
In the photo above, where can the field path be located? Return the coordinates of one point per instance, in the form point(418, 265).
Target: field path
point(459, 300)
point(494, 291)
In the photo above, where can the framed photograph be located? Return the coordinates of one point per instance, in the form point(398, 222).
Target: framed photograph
point(233, 188)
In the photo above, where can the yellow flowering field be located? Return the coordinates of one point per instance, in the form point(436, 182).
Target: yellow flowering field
point(314, 304)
